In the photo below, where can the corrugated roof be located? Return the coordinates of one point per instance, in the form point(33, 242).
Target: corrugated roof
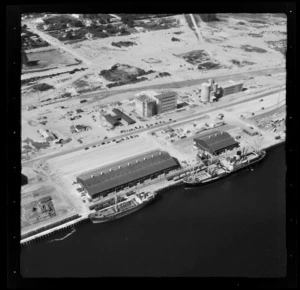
point(216, 140)
point(127, 173)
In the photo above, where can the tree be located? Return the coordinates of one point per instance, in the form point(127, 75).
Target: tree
point(123, 30)
point(78, 23)
point(69, 35)
point(128, 20)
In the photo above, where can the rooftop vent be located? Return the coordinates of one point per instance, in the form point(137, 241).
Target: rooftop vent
point(128, 163)
point(92, 176)
point(110, 170)
point(119, 166)
point(101, 173)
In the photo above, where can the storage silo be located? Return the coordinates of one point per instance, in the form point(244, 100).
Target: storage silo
point(215, 87)
point(205, 90)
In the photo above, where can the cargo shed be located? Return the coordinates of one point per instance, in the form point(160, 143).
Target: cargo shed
point(215, 142)
point(127, 173)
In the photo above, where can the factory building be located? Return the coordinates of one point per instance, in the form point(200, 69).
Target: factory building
point(150, 103)
point(215, 143)
point(145, 106)
point(115, 120)
point(122, 116)
point(231, 88)
point(112, 120)
point(127, 173)
point(166, 102)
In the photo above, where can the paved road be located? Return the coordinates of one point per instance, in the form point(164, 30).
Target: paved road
point(180, 120)
point(187, 83)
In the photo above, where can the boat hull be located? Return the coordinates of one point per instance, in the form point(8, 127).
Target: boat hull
point(210, 181)
point(118, 215)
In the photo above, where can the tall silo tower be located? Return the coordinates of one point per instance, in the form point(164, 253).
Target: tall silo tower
point(215, 87)
point(205, 92)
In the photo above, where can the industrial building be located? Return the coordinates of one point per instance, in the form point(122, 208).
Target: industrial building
point(127, 173)
point(150, 103)
point(115, 120)
point(166, 102)
point(231, 88)
point(214, 143)
point(145, 106)
point(111, 120)
point(122, 116)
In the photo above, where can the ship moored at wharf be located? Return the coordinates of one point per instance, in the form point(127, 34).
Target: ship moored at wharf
point(129, 205)
point(224, 167)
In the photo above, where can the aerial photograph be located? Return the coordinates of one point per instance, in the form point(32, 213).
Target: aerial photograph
point(153, 145)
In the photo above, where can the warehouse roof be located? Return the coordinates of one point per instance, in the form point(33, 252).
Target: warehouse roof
point(216, 140)
point(126, 171)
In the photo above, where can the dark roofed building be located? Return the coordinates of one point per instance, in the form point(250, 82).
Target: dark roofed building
point(111, 120)
point(215, 142)
point(127, 173)
point(123, 116)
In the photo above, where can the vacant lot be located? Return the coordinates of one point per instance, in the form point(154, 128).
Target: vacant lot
point(51, 58)
point(195, 57)
point(31, 194)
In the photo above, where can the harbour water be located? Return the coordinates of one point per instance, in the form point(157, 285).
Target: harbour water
point(233, 228)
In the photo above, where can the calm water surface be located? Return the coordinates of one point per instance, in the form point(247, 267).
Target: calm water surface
point(235, 227)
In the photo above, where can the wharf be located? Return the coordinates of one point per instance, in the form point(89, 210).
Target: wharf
point(160, 186)
point(53, 228)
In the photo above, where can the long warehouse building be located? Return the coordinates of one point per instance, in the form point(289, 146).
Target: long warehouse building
point(127, 173)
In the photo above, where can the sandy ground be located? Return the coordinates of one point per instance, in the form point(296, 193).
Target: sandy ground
point(76, 163)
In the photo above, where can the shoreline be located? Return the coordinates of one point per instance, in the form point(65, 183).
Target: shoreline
point(77, 219)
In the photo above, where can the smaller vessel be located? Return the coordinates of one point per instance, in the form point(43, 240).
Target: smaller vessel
point(127, 205)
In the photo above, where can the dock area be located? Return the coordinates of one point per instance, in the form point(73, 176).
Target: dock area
point(160, 185)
